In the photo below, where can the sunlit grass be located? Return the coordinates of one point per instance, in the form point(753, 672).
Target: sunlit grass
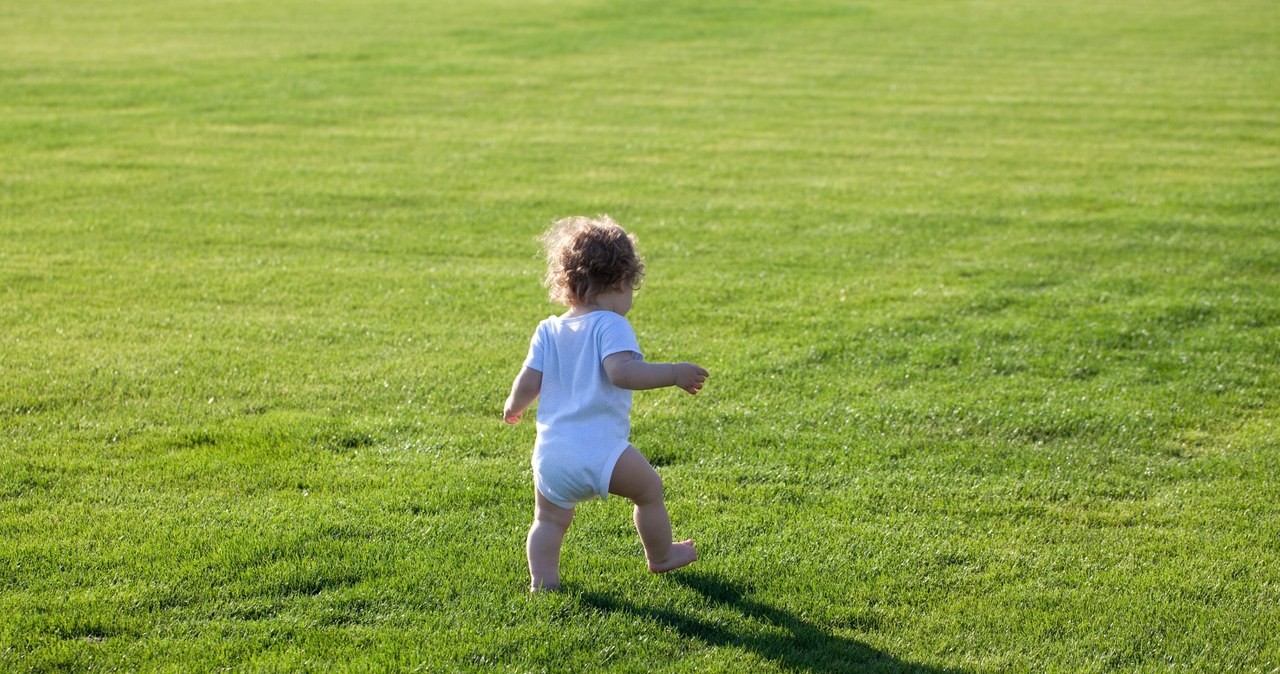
point(989, 293)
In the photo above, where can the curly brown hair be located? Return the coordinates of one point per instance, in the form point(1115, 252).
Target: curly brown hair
point(588, 256)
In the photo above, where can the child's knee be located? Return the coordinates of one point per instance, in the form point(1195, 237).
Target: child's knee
point(556, 517)
point(650, 492)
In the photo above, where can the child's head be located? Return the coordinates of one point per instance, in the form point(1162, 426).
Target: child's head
point(588, 256)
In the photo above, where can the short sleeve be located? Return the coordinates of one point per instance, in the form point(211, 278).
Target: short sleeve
point(533, 361)
point(616, 336)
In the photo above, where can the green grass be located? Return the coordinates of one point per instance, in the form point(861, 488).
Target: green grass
point(989, 291)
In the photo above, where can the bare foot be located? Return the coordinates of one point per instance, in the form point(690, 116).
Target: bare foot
point(543, 586)
point(682, 554)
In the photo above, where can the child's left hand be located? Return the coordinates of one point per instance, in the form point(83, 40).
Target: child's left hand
point(509, 415)
point(524, 390)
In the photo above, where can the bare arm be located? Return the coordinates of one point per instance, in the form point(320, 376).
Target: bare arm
point(627, 371)
point(524, 390)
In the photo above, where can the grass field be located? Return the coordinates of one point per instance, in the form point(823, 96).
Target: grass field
point(989, 291)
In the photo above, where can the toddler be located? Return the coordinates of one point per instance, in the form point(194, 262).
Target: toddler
point(584, 366)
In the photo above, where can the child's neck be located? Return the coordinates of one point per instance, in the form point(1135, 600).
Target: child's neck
point(617, 300)
point(577, 310)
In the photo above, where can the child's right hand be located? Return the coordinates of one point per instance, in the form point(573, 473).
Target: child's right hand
point(690, 377)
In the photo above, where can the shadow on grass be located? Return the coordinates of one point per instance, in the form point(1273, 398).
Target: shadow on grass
point(802, 646)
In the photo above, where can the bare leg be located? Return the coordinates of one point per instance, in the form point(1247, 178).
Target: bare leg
point(633, 478)
point(550, 522)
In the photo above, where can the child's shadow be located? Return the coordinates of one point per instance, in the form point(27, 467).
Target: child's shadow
point(802, 646)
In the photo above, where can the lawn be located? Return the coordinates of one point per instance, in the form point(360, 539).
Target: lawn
point(989, 292)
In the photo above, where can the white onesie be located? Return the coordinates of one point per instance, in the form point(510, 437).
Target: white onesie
point(584, 421)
